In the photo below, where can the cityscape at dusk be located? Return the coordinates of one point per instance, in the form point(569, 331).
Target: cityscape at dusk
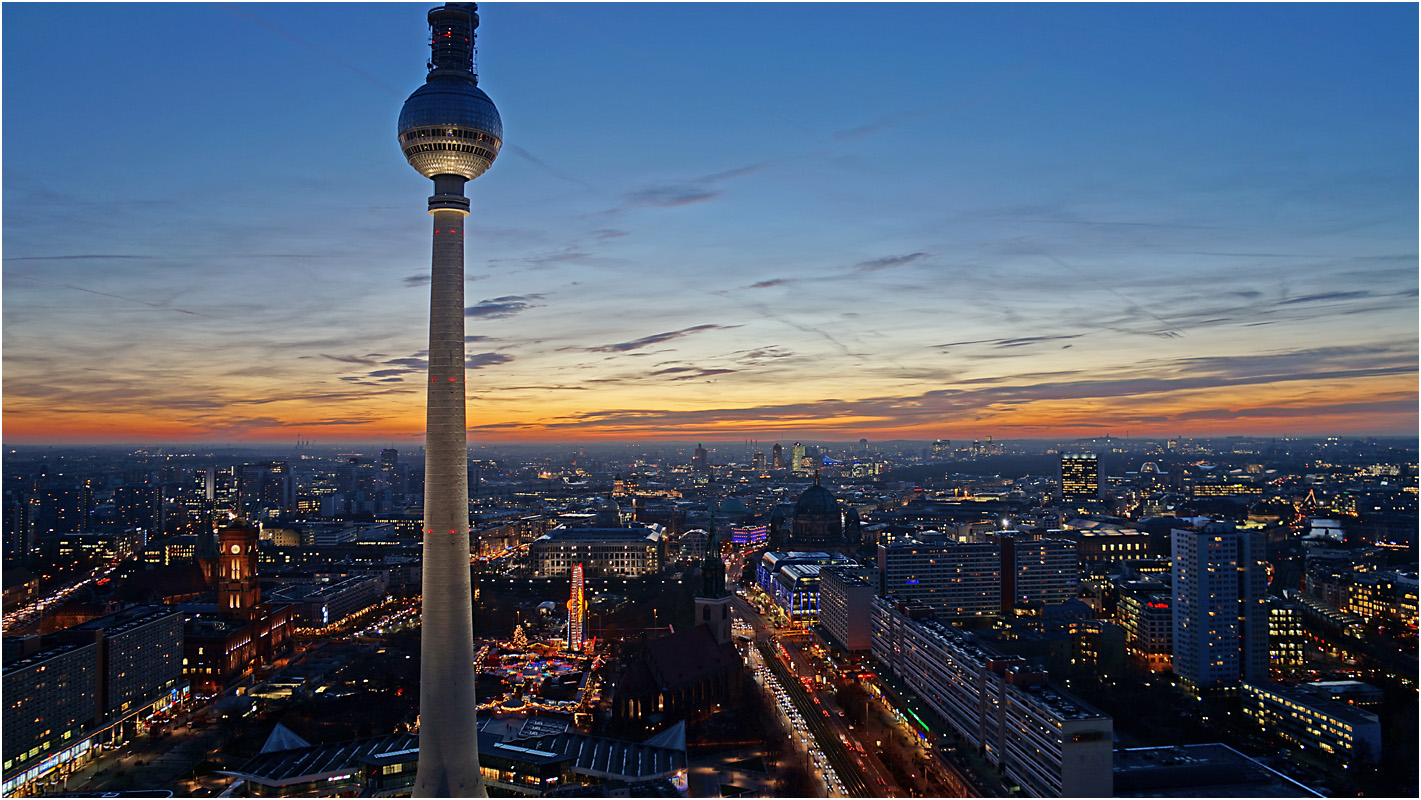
point(722, 222)
point(790, 400)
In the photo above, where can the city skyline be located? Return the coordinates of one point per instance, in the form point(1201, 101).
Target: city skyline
point(769, 222)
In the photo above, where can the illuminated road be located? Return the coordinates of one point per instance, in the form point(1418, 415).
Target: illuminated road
point(18, 621)
point(860, 774)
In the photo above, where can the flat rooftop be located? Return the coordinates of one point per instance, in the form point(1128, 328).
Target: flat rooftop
point(1199, 770)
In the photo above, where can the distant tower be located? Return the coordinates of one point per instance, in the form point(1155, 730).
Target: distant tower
point(450, 132)
point(796, 462)
point(777, 457)
point(699, 462)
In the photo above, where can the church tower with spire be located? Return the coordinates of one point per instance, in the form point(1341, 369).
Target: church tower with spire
point(713, 601)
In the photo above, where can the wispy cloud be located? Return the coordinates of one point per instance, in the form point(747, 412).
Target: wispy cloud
point(351, 360)
point(682, 193)
point(83, 257)
point(1324, 297)
point(647, 341)
point(771, 283)
point(500, 307)
point(889, 262)
point(481, 360)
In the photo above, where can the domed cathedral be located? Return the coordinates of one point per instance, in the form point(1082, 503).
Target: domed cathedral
point(818, 521)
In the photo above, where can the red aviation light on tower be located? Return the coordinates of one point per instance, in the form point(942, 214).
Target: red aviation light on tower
point(576, 611)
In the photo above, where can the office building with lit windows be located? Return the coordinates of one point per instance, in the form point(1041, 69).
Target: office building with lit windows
point(96, 683)
point(1080, 477)
point(1296, 715)
point(1039, 736)
point(958, 580)
point(1220, 621)
point(844, 607)
point(1148, 622)
point(1286, 636)
point(1036, 568)
point(963, 580)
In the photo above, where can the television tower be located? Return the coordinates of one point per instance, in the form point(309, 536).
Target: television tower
point(450, 132)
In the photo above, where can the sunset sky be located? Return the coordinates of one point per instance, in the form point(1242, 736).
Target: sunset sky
point(720, 222)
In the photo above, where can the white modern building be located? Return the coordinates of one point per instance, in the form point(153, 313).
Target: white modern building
point(845, 604)
point(1220, 622)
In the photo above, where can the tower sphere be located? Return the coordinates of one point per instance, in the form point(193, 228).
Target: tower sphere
point(450, 127)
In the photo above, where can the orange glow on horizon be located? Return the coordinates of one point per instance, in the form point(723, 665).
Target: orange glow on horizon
point(1388, 407)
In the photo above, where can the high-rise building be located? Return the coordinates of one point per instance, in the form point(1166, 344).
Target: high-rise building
point(68, 508)
point(1286, 637)
point(956, 580)
point(450, 132)
point(845, 599)
point(1220, 621)
point(777, 459)
point(576, 610)
point(19, 539)
point(1036, 568)
point(1080, 477)
point(76, 689)
point(699, 464)
point(796, 461)
point(139, 507)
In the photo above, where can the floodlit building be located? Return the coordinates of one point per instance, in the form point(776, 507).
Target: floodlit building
point(792, 580)
point(621, 552)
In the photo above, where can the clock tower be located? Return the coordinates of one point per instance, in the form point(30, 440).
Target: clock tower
point(238, 592)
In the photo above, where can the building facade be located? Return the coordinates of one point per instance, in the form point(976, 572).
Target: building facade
point(1080, 477)
point(845, 605)
point(958, 580)
point(1220, 623)
point(603, 552)
point(1344, 732)
point(1040, 737)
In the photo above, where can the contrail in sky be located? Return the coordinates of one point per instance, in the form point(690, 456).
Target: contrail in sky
point(320, 51)
point(1107, 287)
point(106, 294)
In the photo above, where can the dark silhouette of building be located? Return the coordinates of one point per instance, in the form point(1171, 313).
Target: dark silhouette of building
point(818, 520)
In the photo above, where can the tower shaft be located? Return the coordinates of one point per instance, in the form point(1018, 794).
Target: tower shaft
point(449, 747)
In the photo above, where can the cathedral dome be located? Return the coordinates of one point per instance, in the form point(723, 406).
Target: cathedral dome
point(816, 502)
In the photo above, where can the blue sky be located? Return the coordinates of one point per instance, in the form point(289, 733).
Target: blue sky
point(718, 221)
